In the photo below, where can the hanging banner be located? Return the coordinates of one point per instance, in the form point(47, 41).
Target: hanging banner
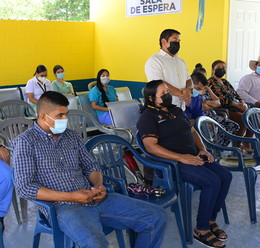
point(152, 7)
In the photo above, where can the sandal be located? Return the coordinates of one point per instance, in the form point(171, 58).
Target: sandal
point(203, 239)
point(218, 231)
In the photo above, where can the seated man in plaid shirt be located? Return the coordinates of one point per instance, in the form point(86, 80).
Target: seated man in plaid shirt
point(52, 164)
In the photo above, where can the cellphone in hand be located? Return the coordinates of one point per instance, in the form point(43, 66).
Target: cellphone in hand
point(204, 158)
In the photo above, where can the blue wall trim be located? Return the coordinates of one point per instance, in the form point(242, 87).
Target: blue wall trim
point(82, 85)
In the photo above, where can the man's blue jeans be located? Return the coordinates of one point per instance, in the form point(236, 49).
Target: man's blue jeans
point(84, 224)
point(6, 188)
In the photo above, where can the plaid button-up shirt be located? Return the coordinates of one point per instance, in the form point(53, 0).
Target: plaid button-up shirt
point(41, 161)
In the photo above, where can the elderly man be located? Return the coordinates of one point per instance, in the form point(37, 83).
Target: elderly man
point(6, 185)
point(249, 85)
point(52, 164)
point(167, 66)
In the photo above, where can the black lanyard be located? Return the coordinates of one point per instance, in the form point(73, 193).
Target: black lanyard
point(43, 89)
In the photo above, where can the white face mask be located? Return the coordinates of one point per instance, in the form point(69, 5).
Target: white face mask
point(105, 80)
point(60, 125)
point(43, 79)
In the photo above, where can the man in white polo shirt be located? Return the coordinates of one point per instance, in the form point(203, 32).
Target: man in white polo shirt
point(249, 85)
point(167, 66)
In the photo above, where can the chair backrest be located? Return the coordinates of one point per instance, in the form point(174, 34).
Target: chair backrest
point(12, 127)
point(109, 150)
point(79, 93)
point(16, 108)
point(92, 84)
point(24, 95)
point(124, 114)
point(173, 163)
point(73, 102)
point(123, 93)
point(10, 94)
point(251, 119)
point(86, 105)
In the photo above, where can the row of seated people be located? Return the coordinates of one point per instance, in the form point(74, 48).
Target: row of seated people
point(99, 94)
point(160, 124)
point(218, 92)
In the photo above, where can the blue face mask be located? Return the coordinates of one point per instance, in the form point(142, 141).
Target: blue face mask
point(60, 125)
point(60, 75)
point(257, 70)
point(195, 93)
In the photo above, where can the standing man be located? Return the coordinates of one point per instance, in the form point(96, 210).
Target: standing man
point(249, 85)
point(51, 163)
point(167, 66)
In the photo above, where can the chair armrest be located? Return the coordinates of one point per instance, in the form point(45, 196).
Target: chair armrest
point(165, 168)
point(119, 182)
point(109, 187)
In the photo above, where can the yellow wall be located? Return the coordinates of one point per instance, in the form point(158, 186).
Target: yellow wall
point(112, 41)
point(123, 44)
point(26, 44)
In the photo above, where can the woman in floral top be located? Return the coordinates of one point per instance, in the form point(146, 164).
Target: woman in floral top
point(229, 99)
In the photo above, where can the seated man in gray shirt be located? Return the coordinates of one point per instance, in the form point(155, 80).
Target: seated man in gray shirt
point(51, 164)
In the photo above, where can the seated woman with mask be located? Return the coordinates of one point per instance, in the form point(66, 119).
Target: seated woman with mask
point(59, 84)
point(100, 94)
point(36, 86)
point(167, 133)
point(229, 99)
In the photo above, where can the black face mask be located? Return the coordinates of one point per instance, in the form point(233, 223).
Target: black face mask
point(220, 72)
point(167, 100)
point(174, 47)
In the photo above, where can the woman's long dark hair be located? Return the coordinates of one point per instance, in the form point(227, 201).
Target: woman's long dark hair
point(149, 92)
point(39, 69)
point(100, 86)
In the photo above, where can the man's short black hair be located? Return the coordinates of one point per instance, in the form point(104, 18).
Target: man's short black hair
point(166, 34)
point(52, 98)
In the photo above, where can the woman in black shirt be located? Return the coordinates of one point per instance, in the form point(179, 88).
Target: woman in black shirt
point(167, 133)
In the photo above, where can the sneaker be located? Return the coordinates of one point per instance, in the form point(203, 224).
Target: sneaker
point(145, 190)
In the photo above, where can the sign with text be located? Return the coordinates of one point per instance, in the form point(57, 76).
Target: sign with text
point(152, 7)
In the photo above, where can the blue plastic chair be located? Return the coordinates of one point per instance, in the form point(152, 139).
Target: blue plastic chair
point(251, 119)
point(185, 191)
point(208, 128)
point(109, 149)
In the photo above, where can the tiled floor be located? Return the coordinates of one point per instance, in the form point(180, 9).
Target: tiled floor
point(242, 234)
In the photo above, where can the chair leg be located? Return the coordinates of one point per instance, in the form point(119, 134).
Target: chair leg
point(1, 236)
point(225, 214)
point(36, 240)
point(250, 179)
point(132, 237)
point(24, 206)
point(186, 191)
point(16, 209)
point(120, 238)
point(175, 208)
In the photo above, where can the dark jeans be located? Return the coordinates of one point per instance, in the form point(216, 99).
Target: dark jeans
point(215, 181)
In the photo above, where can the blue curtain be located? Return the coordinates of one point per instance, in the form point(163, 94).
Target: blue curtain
point(200, 20)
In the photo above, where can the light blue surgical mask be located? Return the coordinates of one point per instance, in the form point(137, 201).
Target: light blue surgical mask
point(195, 93)
point(257, 70)
point(60, 125)
point(60, 75)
